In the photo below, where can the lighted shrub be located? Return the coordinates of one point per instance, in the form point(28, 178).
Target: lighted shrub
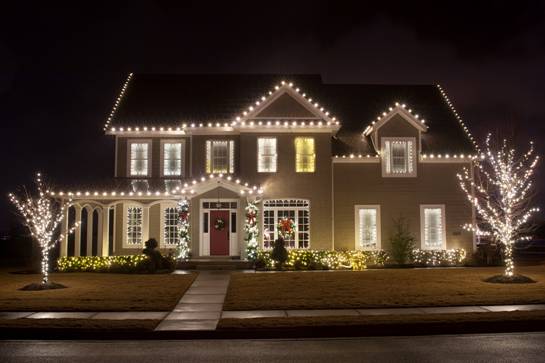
point(112, 264)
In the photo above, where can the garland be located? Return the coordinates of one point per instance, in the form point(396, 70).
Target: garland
point(182, 250)
point(252, 231)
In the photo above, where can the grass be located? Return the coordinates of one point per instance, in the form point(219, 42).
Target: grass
point(369, 324)
point(94, 292)
point(380, 288)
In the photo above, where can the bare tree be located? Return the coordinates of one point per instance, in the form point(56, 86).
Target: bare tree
point(42, 216)
point(499, 185)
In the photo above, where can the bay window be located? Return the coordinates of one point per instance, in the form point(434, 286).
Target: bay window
point(432, 225)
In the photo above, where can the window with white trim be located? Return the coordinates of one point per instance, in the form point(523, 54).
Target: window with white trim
point(170, 231)
point(139, 158)
point(297, 210)
point(305, 155)
point(432, 223)
point(134, 225)
point(172, 152)
point(220, 156)
point(266, 155)
point(398, 157)
point(368, 227)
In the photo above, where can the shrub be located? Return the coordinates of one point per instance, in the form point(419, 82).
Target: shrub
point(453, 257)
point(401, 242)
point(112, 264)
point(279, 253)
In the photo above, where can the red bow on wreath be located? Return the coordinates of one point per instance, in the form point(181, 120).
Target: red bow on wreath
point(183, 216)
point(251, 218)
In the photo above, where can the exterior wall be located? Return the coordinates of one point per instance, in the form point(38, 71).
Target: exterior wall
point(436, 183)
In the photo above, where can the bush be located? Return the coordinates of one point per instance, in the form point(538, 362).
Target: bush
point(453, 257)
point(111, 264)
point(279, 253)
point(401, 242)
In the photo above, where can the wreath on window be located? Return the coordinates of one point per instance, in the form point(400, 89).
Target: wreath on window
point(219, 224)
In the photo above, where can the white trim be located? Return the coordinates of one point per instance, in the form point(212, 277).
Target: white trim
point(162, 157)
point(204, 240)
point(356, 160)
point(443, 222)
point(398, 110)
point(357, 209)
point(408, 174)
point(150, 160)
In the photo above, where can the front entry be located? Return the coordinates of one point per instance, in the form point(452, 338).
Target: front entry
point(219, 232)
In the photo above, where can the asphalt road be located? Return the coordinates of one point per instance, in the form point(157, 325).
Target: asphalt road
point(519, 347)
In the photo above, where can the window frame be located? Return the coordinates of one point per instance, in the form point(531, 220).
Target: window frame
point(182, 157)
point(163, 239)
point(296, 210)
point(130, 142)
point(423, 208)
point(307, 155)
point(387, 159)
point(274, 156)
point(357, 209)
point(127, 238)
point(209, 156)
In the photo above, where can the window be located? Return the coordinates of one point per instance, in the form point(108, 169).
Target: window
point(172, 153)
point(305, 156)
point(296, 209)
point(266, 155)
point(139, 155)
point(134, 225)
point(368, 227)
point(220, 156)
point(170, 226)
point(398, 157)
point(432, 226)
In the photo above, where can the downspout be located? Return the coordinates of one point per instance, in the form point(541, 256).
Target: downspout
point(332, 205)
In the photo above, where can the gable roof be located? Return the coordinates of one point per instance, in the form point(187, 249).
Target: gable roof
point(172, 99)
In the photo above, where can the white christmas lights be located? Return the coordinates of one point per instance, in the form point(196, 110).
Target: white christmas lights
point(391, 110)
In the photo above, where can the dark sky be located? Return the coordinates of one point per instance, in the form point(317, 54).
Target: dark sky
point(62, 66)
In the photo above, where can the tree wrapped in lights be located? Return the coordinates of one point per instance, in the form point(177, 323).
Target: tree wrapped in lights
point(42, 216)
point(182, 250)
point(499, 187)
point(252, 230)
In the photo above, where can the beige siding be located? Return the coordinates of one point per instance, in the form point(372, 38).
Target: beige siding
point(285, 106)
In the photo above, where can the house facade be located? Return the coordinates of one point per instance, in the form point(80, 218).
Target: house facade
point(342, 161)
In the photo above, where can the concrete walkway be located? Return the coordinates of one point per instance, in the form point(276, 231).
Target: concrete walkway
point(201, 306)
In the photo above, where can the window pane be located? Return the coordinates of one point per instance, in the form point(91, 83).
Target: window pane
point(220, 156)
point(171, 226)
point(368, 229)
point(305, 156)
point(433, 228)
point(266, 155)
point(134, 225)
point(172, 159)
point(295, 209)
point(398, 156)
point(139, 159)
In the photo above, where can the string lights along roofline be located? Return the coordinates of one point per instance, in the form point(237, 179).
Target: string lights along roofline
point(241, 121)
point(391, 111)
point(187, 188)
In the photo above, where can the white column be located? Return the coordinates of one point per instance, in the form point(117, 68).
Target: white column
point(89, 231)
point(77, 239)
point(145, 224)
point(104, 232)
point(64, 230)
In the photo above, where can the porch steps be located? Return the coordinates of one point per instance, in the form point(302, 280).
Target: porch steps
point(214, 264)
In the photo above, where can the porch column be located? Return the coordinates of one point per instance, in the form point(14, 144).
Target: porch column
point(89, 231)
point(64, 232)
point(104, 232)
point(145, 224)
point(77, 239)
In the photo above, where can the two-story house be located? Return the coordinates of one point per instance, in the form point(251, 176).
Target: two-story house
point(341, 160)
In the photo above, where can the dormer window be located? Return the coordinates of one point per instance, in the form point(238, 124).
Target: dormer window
point(398, 157)
point(139, 158)
point(220, 156)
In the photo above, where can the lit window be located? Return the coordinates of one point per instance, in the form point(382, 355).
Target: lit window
point(368, 227)
point(433, 227)
point(266, 155)
point(220, 156)
point(139, 158)
point(171, 226)
point(134, 225)
point(297, 210)
point(305, 156)
point(172, 158)
point(398, 157)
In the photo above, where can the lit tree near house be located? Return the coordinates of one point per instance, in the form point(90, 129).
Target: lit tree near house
point(42, 216)
point(499, 187)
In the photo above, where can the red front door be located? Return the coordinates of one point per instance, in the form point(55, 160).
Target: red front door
point(219, 237)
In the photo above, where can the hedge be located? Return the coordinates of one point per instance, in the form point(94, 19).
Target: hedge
point(118, 264)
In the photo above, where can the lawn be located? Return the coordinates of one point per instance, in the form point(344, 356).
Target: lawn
point(380, 288)
point(94, 292)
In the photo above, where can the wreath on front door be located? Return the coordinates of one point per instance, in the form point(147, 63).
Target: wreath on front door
point(219, 224)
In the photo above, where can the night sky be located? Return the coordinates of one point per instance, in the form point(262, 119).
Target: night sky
point(61, 67)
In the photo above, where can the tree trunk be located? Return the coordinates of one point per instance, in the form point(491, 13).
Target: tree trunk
point(45, 265)
point(508, 259)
